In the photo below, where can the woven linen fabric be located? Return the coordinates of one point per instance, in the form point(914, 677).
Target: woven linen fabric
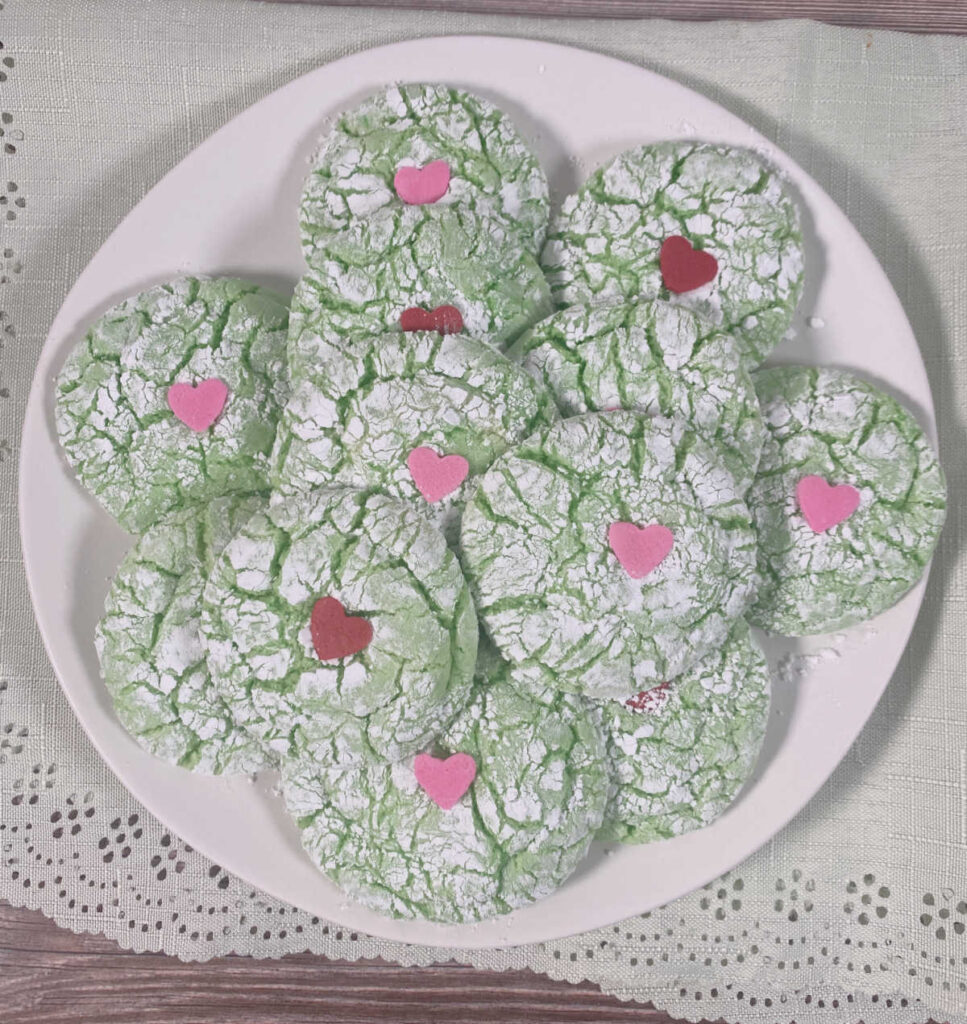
point(858, 909)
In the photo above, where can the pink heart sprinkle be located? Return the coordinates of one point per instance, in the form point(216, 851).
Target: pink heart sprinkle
point(418, 186)
point(435, 475)
point(825, 505)
point(198, 405)
point(445, 780)
point(640, 549)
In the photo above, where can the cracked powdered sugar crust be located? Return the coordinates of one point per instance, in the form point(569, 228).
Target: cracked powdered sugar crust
point(382, 561)
point(655, 358)
point(524, 824)
point(350, 209)
point(113, 419)
point(364, 405)
point(604, 244)
point(681, 752)
point(831, 423)
point(549, 589)
point(150, 646)
point(449, 259)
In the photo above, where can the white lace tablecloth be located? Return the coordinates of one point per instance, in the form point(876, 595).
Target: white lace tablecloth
point(859, 908)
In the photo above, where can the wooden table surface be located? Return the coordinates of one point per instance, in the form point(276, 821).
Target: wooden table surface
point(902, 15)
point(51, 976)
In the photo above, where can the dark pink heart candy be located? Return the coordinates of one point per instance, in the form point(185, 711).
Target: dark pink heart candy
point(684, 268)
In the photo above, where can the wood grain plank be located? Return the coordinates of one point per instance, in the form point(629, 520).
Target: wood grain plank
point(50, 976)
point(949, 16)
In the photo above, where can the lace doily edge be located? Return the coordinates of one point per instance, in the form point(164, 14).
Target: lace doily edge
point(665, 1001)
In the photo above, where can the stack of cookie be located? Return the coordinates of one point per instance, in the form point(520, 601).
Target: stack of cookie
point(474, 575)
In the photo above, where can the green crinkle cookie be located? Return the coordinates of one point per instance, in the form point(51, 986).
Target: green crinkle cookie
point(449, 260)
point(350, 207)
point(655, 358)
point(681, 751)
point(150, 645)
point(383, 563)
point(526, 821)
point(605, 243)
point(360, 408)
point(113, 415)
point(548, 586)
point(831, 424)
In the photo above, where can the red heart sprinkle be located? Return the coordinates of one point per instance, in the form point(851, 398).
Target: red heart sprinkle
point(445, 780)
point(824, 505)
point(445, 319)
point(650, 700)
point(336, 634)
point(683, 269)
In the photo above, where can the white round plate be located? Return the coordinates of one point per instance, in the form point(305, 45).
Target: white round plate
point(230, 208)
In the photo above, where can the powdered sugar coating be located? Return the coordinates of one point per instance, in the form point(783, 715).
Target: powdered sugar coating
point(549, 589)
point(604, 245)
point(150, 645)
point(522, 827)
point(653, 357)
point(113, 419)
point(360, 406)
point(681, 758)
point(350, 207)
point(833, 424)
point(448, 260)
point(380, 560)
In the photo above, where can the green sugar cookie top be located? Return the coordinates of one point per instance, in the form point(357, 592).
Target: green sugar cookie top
point(172, 397)
point(356, 201)
point(655, 358)
point(418, 416)
point(613, 549)
point(682, 750)
point(508, 829)
point(339, 628)
point(449, 261)
point(848, 502)
point(607, 242)
point(150, 646)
